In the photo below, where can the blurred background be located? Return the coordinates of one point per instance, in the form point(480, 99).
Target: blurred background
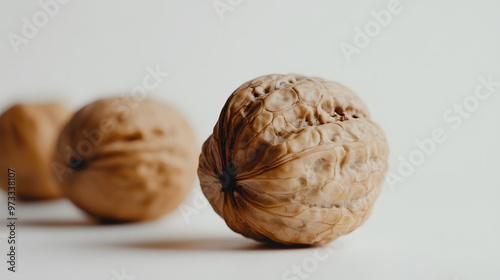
point(417, 65)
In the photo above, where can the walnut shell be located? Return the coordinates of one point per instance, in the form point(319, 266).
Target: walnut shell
point(124, 160)
point(28, 134)
point(293, 160)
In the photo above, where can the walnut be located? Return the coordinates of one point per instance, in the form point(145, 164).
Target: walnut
point(293, 160)
point(28, 134)
point(124, 160)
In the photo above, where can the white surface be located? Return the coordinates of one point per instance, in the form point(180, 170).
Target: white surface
point(443, 222)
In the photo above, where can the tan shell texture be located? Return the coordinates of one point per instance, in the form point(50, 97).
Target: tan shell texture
point(293, 160)
point(126, 160)
point(28, 135)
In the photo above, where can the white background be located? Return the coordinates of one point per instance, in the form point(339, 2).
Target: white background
point(442, 222)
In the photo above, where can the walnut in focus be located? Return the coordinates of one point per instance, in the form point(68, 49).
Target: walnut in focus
point(120, 159)
point(28, 134)
point(293, 160)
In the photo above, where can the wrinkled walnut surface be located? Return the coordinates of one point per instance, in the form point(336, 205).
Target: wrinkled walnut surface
point(293, 160)
point(141, 166)
point(28, 134)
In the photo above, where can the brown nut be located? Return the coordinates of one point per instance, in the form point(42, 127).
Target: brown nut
point(293, 160)
point(28, 134)
point(125, 160)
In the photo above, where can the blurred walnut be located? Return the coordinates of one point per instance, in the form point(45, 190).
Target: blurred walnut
point(293, 160)
point(125, 160)
point(28, 134)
